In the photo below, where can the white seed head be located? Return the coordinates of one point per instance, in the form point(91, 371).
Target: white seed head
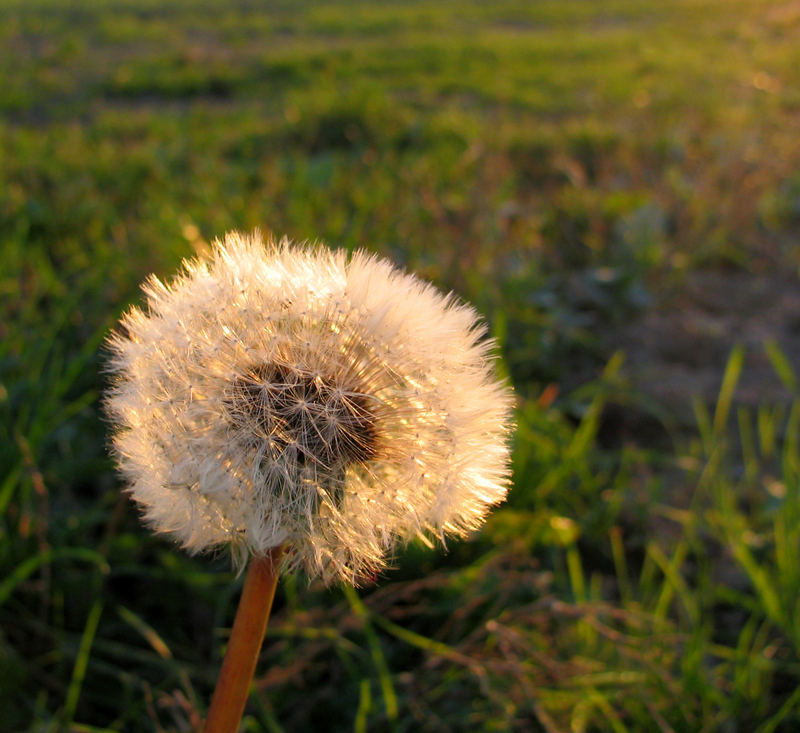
point(284, 394)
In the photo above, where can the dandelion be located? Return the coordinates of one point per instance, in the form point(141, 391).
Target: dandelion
point(280, 396)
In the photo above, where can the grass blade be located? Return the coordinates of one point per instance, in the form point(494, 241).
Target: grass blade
point(730, 379)
point(25, 569)
point(364, 705)
point(81, 662)
point(376, 652)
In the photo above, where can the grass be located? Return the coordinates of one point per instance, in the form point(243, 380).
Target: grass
point(566, 166)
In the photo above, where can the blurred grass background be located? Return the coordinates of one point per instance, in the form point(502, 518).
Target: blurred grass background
point(615, 185)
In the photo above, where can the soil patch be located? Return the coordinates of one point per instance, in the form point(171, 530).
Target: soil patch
point(679, 348)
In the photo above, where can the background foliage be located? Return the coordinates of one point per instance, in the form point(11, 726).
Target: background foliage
point(615, 185)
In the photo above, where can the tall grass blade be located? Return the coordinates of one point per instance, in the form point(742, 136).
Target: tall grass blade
point(25, 569)
point(780, 363)
point(81, 662)
point(730, 379)
point(376, 652)
point(364, 706)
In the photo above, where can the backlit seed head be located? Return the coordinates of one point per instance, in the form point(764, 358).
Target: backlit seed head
point(283, 394)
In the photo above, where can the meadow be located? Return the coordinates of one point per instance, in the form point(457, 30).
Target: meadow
point(615, 186)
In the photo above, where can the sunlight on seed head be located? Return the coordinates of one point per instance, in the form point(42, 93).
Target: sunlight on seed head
point(277, 393)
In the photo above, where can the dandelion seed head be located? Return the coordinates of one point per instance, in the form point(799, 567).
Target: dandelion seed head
point(276, 393)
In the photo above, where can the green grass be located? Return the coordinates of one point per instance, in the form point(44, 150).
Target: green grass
point(563, 165)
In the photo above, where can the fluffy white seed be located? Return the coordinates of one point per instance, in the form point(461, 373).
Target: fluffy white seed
point(283, 394)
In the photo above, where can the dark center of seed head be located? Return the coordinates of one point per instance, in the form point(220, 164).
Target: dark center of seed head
point(303, 416)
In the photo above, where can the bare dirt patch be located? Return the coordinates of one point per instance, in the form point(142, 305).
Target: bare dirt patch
point(678, 349)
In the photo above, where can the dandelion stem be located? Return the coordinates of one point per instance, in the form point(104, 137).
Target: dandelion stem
point(244, 645)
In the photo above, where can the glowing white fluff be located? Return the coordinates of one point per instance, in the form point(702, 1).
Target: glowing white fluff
point(283, 394)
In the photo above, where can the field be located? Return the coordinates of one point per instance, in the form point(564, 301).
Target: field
point(615, 186)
